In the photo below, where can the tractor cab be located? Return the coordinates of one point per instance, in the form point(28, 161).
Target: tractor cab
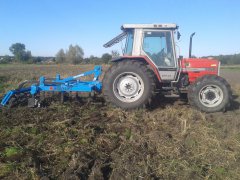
point(154, 41)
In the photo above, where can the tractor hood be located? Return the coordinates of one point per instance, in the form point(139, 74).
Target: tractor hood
point(197, 67)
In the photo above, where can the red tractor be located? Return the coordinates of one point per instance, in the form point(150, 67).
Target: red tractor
point(149, 65)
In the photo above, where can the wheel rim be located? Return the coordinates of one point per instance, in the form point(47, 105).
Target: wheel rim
point(128, 87)
point(211, 95)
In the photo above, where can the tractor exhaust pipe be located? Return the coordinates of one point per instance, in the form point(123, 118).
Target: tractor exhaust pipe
point(190, 45)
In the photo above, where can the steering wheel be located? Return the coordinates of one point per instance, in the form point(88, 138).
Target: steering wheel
point(162, 53)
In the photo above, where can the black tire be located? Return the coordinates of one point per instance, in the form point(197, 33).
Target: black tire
point(121, 70)
point(183, 96)
point(216, 88)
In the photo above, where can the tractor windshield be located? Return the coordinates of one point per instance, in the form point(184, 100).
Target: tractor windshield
point(129, 43)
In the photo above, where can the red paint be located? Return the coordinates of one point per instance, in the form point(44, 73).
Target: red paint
point(191, 65)
point(154, 68)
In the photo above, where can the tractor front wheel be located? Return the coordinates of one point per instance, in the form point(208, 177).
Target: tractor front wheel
point(128, 84)
point(210, 93)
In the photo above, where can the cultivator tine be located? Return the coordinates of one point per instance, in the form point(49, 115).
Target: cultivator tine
point(21, 99)
point(42, 96)
point(20, 85)
point(62, 97)
point(12, 102)
point(15, 97)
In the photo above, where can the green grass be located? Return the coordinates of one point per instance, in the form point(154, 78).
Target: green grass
point(12, 151)
point(6, 169)
point(232, 67)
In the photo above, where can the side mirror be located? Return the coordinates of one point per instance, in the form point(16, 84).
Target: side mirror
point(178, 35)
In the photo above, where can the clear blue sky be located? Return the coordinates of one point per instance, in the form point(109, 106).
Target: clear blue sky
point(45, 26)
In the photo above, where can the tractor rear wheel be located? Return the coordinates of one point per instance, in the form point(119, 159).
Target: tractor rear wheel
point(129, 84)
point(210, 93)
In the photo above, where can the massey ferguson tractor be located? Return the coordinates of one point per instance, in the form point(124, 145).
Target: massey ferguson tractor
point(149, 66)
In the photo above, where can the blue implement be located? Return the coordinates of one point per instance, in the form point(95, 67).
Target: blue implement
point(69, 84)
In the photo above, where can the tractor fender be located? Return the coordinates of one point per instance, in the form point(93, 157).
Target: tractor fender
point(144, 59)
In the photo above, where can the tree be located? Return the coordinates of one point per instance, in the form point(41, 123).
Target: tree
point(94, 60)
point(75, 54)
point(19, 52)
point(60, 56)
point(106, 58)
point(37, 59)
point(27, 56)
point(5, 59)
point(115, 54)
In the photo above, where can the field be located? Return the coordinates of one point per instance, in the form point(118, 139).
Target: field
point(78, 140)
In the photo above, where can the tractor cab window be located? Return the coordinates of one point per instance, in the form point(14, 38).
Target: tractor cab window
point(129, 43)
point(158, 46)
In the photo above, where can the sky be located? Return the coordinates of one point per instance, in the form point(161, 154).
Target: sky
point(46, 26)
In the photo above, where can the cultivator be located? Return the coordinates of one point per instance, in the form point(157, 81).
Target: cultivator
point(71, 84)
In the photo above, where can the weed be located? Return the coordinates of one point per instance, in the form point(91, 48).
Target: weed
point(10, 152)
point(6, 169)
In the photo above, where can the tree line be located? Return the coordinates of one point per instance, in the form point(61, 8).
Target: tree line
point(21, 55)
point(228, 59)
point(73, 55)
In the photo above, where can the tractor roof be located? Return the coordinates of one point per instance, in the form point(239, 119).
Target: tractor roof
point(125, 27)
point(149, 26)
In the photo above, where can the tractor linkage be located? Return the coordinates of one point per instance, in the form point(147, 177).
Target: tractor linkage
point(69, 84)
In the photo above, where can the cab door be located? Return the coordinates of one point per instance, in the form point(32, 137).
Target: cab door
point(158, 47)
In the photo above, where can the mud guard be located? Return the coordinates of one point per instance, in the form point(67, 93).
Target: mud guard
point(141, 58)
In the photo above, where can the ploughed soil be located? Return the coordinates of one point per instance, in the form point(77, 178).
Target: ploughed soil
point(92, 140)
point(231, 75)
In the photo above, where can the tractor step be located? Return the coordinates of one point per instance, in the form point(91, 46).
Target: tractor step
point(167, 88)
point(172, 95)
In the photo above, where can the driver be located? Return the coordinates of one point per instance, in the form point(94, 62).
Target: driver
point(168, 59)
point(165, 59)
